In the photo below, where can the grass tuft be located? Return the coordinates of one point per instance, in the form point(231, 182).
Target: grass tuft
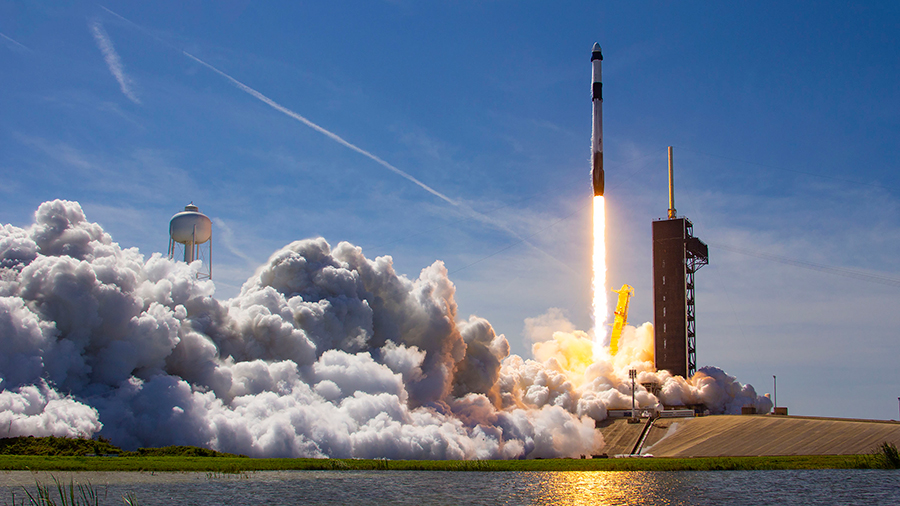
point(73, 494)
point(336, 465)
point(887, 456)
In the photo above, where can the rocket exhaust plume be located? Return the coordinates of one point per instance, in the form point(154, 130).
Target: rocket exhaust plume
point(324, 353)
point(599, 272)
point(597, 180)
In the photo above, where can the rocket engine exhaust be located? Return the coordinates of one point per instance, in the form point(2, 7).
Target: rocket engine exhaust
point(597, 175)
point(599, 257)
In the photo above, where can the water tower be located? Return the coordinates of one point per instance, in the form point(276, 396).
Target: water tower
point(192, 229)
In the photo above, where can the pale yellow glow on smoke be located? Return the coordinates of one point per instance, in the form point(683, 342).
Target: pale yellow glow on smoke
point(599, 280)
point(580, 358)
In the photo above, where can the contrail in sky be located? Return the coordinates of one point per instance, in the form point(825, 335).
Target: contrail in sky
point(337, 138)
point(280, 108)
point(113, 61)
point(14, 42)
point(331, 135)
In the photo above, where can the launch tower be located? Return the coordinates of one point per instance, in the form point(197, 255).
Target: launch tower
point(677, 255)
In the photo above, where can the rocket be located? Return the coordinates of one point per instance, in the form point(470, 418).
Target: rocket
point(597, 175)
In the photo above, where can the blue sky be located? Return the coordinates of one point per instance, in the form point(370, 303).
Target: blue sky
point(785, 122)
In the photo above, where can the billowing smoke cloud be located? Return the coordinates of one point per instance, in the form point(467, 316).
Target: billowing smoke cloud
point(323, 353)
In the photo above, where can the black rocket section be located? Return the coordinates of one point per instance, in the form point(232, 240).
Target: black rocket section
point(598, 175)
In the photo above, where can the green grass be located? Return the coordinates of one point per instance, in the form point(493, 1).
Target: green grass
point(242, 464)
point(61, 454)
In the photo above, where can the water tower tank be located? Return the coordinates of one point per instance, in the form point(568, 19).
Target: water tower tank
point(190, 228)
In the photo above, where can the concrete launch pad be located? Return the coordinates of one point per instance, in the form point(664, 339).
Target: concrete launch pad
point(751, 435)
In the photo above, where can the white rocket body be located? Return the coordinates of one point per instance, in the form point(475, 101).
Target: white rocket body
point(597, 175)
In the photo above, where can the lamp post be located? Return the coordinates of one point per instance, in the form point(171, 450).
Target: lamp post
point(775, 390)
point(632, 374)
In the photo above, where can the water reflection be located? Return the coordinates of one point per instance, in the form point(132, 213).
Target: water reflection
point(605, 487)
point(737, 488)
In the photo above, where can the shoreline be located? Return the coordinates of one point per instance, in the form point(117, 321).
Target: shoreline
point(237, 465)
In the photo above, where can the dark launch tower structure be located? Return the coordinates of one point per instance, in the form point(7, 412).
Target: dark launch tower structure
point(677, 255)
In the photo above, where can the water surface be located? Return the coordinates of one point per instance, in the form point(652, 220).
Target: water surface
point(422, 488)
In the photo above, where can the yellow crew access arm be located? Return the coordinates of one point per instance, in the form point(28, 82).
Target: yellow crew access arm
point(621, 313)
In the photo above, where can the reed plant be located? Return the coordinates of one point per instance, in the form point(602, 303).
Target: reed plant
point(887, 456)
point(73, 494)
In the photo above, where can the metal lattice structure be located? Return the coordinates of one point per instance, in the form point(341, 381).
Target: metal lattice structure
point(696, 256)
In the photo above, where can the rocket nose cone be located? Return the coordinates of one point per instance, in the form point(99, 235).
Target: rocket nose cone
point(595, 53)
point(596, 47)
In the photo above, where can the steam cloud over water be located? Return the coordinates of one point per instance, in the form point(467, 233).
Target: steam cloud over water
point(323, 353)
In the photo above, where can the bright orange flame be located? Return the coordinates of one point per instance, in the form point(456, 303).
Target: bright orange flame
point(599, 282)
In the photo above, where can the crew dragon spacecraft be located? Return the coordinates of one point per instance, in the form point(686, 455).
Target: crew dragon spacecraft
point(597, 134)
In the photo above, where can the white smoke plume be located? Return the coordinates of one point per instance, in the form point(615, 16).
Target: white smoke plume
point(324, 353)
